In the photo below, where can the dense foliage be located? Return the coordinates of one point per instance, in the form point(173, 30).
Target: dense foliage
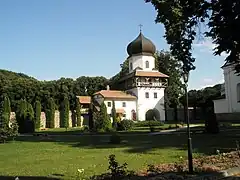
point(38, 110)
point(50, 113)
point(78, 112)
point(125, 125)
point(101, 119)
point(182, 22)
point(19, 86)
point(5, 111)
point(25, 117)
point(64, 113)
point(114, 116)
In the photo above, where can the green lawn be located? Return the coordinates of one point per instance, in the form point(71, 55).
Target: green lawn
point(44, 156)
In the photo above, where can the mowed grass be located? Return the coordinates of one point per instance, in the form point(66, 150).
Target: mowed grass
point(63, 155)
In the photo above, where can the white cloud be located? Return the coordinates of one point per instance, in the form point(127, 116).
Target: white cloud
point(206, 46)
point(206, 82)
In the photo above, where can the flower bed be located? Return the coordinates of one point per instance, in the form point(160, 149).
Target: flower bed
point(202, 165)
point(173, 171)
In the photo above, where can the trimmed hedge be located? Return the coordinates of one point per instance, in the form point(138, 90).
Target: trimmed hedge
point(148, 123)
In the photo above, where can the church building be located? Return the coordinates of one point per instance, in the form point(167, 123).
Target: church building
point(228, 108)
point(143, 86)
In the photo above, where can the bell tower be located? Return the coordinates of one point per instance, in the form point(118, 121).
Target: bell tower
point(144, 81)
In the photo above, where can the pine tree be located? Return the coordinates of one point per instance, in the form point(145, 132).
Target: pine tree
point(37, 114)
point(30, 112)
point(78, 112)
point(50, 113)
point(114, 116)
point(21, 115)
point(102, 119)
point(64, 115)
point(5, 111)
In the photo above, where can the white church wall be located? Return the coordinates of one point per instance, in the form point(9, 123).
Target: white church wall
point(139, 61)
point(145, 104)
point(130, 105)
point(221, 106)
point(231, 82)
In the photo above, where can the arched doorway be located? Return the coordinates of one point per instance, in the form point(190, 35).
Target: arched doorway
point(134, 115)
point(152, 114)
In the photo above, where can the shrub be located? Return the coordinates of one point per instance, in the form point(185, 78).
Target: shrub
point(148, 123)
point(117, 171)
point(101, 119)
point(85, 129)
point(125, 125)
point(7, 131)
point(115, 139)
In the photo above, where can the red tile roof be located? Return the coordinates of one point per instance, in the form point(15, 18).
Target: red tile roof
point(84, 99)
point(115, 94)
point(150, 74)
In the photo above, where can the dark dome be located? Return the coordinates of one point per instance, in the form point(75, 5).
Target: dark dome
point(141, 45)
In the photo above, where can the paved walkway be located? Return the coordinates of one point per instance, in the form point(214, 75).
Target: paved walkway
point(171, 131)
point(163, 132)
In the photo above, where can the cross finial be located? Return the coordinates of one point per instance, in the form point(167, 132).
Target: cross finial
point(140, 26)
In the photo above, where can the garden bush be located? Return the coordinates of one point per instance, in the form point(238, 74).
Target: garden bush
point(125, 125)
point(7, 131)
point(148, 123)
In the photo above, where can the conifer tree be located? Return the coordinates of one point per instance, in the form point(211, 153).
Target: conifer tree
point(78, 112)
point(102, 119)
point(64, 115)
point(114, 116)
point(21, 115)
point(38, 110)
point(50, 113)
point(5, 111)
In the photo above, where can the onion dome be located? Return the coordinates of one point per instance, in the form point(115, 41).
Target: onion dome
point(141, 45)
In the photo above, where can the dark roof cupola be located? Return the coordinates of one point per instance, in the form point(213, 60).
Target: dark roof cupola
point(141, 45)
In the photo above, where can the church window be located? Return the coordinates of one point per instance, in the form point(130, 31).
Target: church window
point(109, 104)
point(146, 95)
point(155, 95)
point(238, 92)
point(124, 104)
point(147, 64)
point(131, 66)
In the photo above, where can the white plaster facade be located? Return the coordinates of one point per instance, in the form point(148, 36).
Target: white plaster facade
point(126, 105)
point(141, 61)
point(231, 104)
point(144, 104)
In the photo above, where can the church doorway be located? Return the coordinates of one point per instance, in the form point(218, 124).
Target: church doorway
point(134, 115)
point(152, 114)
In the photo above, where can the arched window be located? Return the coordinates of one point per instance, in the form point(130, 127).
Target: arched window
point(238, 92)
point(147, 64)
point(131, 66)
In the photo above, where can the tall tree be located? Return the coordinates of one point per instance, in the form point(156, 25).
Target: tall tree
point(38, 110)
point(183, 19)
point(50, 113)
point(78, 112)
point(166, 64)
point(114, 116)
point(65, 112)
point(21, 115)
point(5, 111)
point(30, 112)
point(102, 119)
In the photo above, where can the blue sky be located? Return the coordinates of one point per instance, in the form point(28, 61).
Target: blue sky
point(49, 39)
